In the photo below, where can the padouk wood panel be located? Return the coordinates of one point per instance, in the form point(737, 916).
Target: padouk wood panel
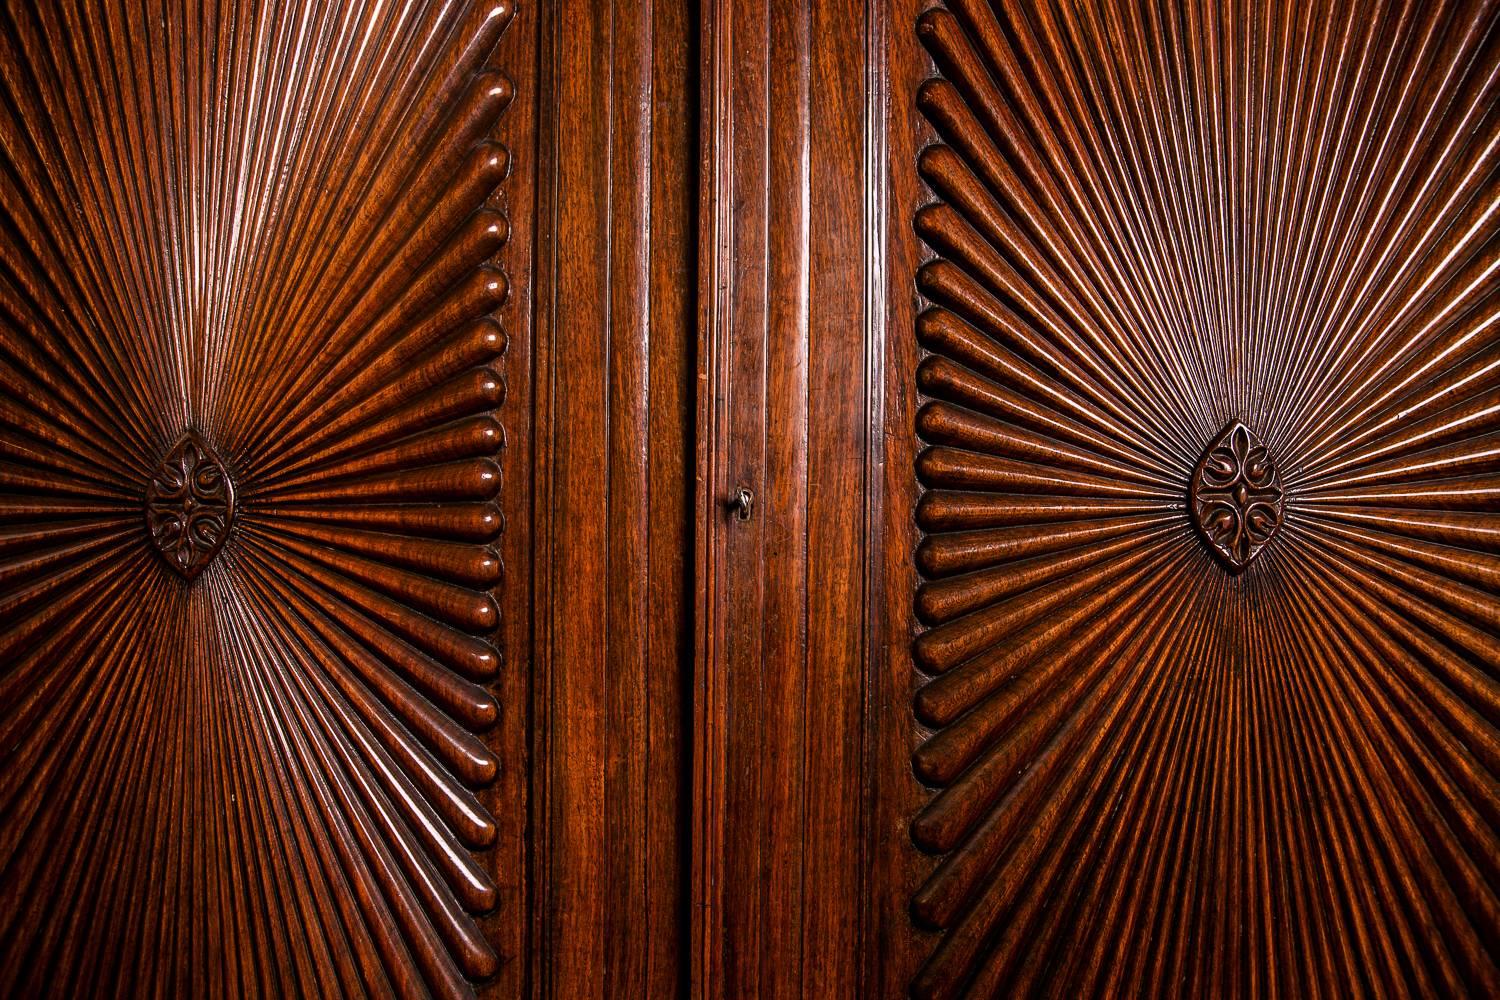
point(789, 341)
point(248, 517)
point(614, 390)
point(344, 632)
point(1211, 522)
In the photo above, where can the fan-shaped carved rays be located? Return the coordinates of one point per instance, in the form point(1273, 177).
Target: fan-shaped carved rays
point(1153, 224)
point(268, 231)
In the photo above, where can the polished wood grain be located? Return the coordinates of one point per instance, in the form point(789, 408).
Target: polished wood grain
point(388, 601)
point(248, 481)
point(785, 355)
point(1206, 688)
point(827, 498)
point(613, 485)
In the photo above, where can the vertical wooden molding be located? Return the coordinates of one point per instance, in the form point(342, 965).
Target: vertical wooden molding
point(614, 440)
point(893, 869)
point(510, 924)
point(880, 547)
point(714, 275)
point(791, 348)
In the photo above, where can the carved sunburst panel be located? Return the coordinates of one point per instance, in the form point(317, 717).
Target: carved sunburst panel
point(248, 471)
point(1209, 685)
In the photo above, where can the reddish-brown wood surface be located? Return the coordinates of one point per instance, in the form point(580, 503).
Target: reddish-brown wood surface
point(284, 710)
point(1111, 607)
point(1207, 686)
point(786, 244)
point(614, 390)
point(1178, 631)
point(251, 335)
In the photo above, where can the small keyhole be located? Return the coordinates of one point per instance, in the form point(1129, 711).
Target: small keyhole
point(742, 503)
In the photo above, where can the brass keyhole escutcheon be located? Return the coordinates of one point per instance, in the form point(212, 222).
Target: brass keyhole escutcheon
point(742, 503)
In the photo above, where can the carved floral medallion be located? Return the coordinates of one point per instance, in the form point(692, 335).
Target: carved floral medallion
point(189, 506)
point(1237, 497)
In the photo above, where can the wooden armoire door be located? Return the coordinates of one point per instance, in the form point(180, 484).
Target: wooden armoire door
point(1119, 612)
point(1207, 352)
point(253, 705)
point(346, 463)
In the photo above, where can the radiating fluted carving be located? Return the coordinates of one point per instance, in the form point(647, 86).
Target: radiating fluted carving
point(240, 742)
point(1161, 231)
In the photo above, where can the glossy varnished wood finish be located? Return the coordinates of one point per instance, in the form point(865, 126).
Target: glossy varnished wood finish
point(992, 693)
point(250, 598)
point(789, 340)
point(512, 924)
point(1207, 691)
point(614, 389)
point(297, 281)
